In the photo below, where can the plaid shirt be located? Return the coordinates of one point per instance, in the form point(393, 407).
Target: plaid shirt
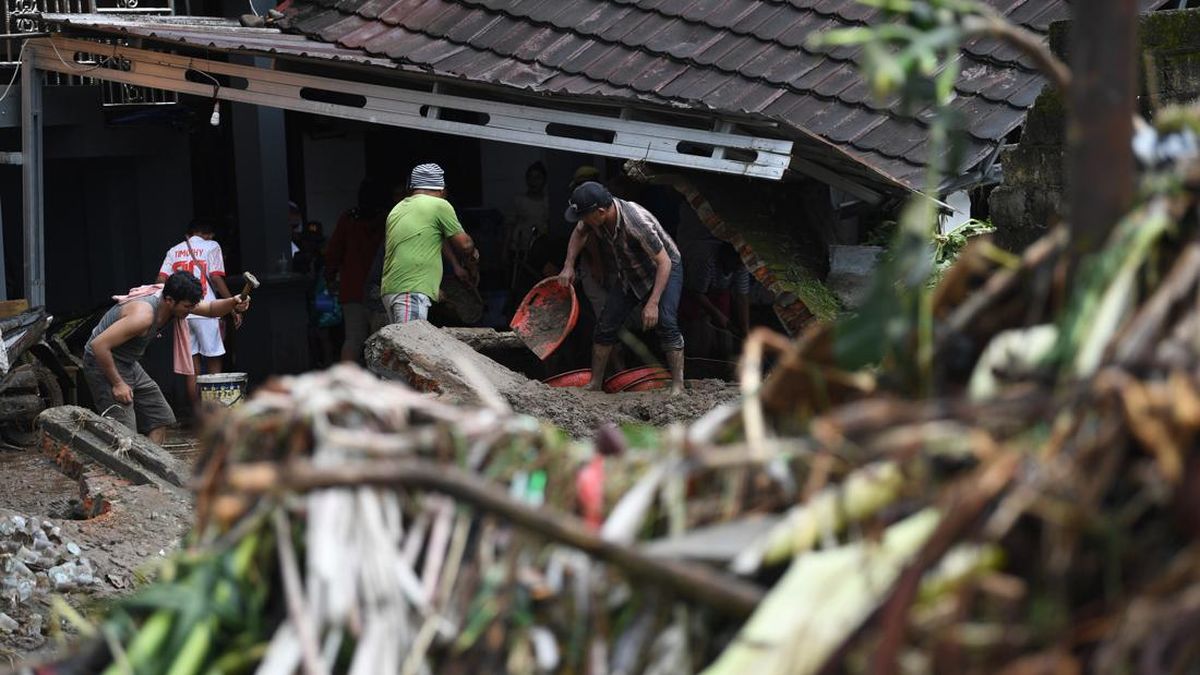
point(633, 245)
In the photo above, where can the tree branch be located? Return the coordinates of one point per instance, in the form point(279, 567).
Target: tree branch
point(695, 582)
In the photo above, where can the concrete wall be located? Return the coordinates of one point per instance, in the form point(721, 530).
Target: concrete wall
point(334, 165)
point(1032, 195)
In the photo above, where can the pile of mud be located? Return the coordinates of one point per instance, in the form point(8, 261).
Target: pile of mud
point(432, 360)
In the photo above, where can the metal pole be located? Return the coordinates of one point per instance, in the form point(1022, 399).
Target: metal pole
point(3, 263)
point(31, 182)
point(1103, 89)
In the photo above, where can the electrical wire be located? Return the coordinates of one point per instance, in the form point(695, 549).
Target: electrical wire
point(75, 66)
point(215, 81)
point(16, 71)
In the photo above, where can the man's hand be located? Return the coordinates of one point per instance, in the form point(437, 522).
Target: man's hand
point(464, 275)
point(567, 276)
point(650, 315)
point(122, 393)
point(237, 321)
point(243, 305)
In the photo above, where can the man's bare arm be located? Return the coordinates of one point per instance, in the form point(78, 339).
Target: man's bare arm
point(136, 319)
point(579, 239)
point(218, 308)
point(219, 285)
point(662, 273)
point(464, 248)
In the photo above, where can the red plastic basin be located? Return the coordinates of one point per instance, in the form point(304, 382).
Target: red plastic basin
point(625, 378)
point(571, 378)
point(650, 383)
point(546, 316)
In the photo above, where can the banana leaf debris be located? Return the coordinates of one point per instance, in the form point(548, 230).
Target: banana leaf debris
point(993, 473)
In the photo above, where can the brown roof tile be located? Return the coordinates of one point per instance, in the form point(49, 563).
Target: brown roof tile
point(747, 57)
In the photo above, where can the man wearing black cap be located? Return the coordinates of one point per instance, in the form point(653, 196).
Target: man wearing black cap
point(648, 268)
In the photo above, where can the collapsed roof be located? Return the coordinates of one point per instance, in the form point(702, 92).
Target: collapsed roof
point(743, 58)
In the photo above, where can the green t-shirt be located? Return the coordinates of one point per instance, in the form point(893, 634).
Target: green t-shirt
point(412, 261)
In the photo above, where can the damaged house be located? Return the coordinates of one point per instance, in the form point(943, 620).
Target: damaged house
point(128, 119)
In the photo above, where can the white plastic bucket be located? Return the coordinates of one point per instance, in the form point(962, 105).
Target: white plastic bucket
point(227, 389)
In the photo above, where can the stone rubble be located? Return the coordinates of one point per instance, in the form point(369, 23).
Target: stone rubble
point(35, 560)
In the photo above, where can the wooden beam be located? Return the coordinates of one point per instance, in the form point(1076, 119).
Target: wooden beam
point(814, 170)
point(1102, 99)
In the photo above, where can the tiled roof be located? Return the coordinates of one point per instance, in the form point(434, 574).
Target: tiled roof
point(732, 56)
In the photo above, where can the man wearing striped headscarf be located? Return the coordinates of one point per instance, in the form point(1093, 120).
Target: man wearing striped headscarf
point(417, 230)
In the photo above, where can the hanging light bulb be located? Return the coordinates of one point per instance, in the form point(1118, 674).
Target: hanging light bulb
point(215, 118)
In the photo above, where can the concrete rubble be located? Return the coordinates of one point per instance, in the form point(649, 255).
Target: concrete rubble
point(78, 437)
point(36, 559)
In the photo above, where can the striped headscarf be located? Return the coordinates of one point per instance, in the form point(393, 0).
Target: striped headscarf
point(427, 177)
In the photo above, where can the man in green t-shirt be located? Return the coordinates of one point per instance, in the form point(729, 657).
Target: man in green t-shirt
point(418, 230)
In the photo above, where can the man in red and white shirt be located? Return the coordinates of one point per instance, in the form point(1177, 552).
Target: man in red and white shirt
point(201, 255)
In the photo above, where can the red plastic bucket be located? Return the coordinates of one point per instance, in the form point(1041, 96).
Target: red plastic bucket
point(546, 317)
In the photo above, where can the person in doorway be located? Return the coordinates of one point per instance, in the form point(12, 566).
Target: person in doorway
point(120, 387)
point(352, 249)
point(200, 255)
point(648, 268)
point(530, 216)
point(714, 309)
point(417, 229)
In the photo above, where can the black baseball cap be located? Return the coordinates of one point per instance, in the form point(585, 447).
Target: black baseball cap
point(587, 197)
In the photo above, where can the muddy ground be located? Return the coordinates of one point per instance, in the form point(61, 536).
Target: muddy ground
point(580, 412)
point(434, 360)
point(122, 546)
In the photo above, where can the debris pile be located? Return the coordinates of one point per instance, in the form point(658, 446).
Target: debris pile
point(36, 560)
point(953, 503)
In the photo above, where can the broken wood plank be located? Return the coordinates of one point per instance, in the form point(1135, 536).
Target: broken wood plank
point(13, 307)
point(130, 455)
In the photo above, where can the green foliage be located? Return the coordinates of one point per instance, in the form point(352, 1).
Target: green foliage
point(1105, 290)
point(888, 328)
point(206, 608)
point(815, 295)
point(913, 55)
point(947, 246)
